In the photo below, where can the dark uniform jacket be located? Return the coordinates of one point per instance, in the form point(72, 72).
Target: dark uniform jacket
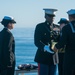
point(68, 39)
point(42, 37)
point(7, 49)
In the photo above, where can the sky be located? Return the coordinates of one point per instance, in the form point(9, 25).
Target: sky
point(28, 13)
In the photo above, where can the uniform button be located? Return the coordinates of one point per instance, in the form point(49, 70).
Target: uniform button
point(50, 36)
point(45, 34)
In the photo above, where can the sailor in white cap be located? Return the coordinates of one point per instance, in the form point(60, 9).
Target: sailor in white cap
point(71, 14)
point(43, 41)
point(7, 47)
point(7, 19)
point(68, 40)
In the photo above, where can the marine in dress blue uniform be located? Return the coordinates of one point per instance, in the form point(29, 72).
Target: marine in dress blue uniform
point(42, 37)
point(68, 39)
point(7, 47)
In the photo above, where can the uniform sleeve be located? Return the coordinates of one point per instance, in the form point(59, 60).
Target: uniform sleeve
point(1, 55)
point(37, 37)
point(8, 50)
point(63, 39)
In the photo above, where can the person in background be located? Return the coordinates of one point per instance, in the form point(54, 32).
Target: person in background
point(68, 39)
point(7, 47)
point(43, 37)
point(62, 23)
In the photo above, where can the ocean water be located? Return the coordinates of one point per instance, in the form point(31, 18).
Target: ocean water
point(25, 48)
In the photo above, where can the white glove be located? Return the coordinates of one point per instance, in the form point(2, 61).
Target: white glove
point(46, 48)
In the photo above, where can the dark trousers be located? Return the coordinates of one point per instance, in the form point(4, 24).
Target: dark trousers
point(46, 69)
point(69, 63)
point(73, 72)
point(60, 65)
point(8, 71)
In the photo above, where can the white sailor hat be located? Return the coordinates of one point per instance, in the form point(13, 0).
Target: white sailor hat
point(9, 19)
point(71, 12)
point(50, 11)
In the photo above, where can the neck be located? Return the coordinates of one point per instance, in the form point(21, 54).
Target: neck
point(7, 28)
point(49, 23)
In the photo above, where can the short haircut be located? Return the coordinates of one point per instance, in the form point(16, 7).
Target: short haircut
point(5, 22)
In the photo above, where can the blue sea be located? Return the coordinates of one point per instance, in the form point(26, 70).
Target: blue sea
point(25, 48)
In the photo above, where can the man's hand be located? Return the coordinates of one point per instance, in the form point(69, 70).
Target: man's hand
point(55, 49)
point(46, 48)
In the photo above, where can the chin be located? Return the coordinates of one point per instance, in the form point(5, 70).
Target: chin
point(12, 27)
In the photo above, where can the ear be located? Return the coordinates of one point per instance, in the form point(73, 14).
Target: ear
point(9, 24)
